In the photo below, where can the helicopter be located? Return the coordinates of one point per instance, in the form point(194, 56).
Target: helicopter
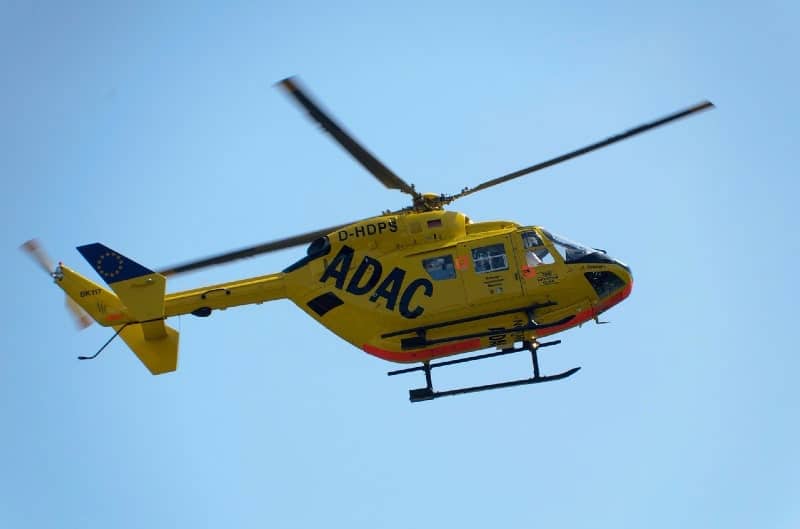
point(409, 286)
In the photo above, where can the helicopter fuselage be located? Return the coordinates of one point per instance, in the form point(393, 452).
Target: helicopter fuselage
point(416, 286)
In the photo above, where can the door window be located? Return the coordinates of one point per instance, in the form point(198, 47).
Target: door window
point(490, 258)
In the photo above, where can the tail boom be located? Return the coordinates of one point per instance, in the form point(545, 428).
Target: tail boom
point(108, 310)
point(224, 295)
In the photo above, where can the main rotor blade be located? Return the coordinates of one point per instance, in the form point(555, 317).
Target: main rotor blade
point(251, 251)
point(364, 157)
point(589, 148)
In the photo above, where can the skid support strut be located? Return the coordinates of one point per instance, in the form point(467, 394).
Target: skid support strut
point(427, 393)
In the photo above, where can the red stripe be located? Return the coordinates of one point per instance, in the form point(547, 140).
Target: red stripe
point(475, 343)
point(424, 354)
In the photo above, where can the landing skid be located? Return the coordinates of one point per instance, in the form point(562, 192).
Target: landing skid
point(427, 393)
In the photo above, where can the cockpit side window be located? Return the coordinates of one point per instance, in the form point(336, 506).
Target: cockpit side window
point(535, 251)
point(440, 268)
point(530, 239)
point(490, 258)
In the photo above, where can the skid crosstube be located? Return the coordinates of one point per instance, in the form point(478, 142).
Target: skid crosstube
point(428, 393)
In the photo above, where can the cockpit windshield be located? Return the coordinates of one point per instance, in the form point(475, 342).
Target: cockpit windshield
point(572, 252)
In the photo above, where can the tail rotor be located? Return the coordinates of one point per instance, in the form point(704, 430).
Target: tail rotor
point(34, 249)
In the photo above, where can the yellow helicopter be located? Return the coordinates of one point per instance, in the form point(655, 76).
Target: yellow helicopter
point(407, 286)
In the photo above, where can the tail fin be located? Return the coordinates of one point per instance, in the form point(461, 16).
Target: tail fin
point(139, 288)
point(141, 292)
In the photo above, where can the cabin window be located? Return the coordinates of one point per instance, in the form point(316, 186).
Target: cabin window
point(490, 258)
point(535, 251)
point(440, 268)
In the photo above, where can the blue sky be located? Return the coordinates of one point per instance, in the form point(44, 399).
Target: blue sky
point(158, 131)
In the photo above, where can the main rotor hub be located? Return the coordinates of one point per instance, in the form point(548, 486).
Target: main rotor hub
point(430, 202)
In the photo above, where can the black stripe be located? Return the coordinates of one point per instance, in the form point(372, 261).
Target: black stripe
point(324, 303)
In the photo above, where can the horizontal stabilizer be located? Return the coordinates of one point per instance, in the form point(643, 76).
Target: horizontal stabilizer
point(155, 344)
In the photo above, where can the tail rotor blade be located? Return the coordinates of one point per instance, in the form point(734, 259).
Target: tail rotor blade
point(82, 318)
point(37, 253)
point(34, 249)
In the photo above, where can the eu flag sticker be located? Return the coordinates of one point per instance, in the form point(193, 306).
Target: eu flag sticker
point(109, 265)
point(112, 266)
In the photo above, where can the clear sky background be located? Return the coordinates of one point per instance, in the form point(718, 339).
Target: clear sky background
point(158, 131)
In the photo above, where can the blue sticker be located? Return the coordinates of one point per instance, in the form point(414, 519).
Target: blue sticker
point(112, 266)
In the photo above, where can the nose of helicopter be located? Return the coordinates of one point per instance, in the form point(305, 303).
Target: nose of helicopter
point(613, 284)
point(623, 265)
point(625, 277)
